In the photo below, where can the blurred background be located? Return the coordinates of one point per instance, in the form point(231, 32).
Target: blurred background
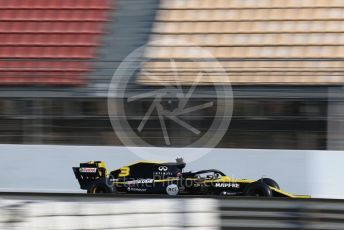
point(282, 58)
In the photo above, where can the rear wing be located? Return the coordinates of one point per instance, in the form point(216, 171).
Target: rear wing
point(88, 172)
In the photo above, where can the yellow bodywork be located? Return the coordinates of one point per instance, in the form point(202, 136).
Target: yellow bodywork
point(227, 179)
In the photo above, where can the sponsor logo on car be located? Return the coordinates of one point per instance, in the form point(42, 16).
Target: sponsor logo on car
point(136, 189)
point(162, 173)
point(88, 170)
point(141, 181)
point(172, 190)
point(163, 168)
point(227, 185)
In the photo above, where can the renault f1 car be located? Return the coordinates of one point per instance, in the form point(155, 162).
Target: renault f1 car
point(169, 178)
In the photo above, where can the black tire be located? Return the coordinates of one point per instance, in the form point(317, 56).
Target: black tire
point(101, 186)
point(258, 189)
point(270, 182)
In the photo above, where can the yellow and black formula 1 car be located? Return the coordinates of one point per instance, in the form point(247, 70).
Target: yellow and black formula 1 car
point(168, 178)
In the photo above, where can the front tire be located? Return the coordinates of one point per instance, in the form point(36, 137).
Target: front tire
point(258, 189)
point(101, 186)
point(270, 182)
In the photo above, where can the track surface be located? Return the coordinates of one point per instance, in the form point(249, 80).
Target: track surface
point(230, 213)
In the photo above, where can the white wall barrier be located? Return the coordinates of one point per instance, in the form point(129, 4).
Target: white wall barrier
point(47, 168)
point(169, 214)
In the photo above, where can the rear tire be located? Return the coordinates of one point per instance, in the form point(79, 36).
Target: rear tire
point(101, 186)
point(258, 189)
point(270, 182)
